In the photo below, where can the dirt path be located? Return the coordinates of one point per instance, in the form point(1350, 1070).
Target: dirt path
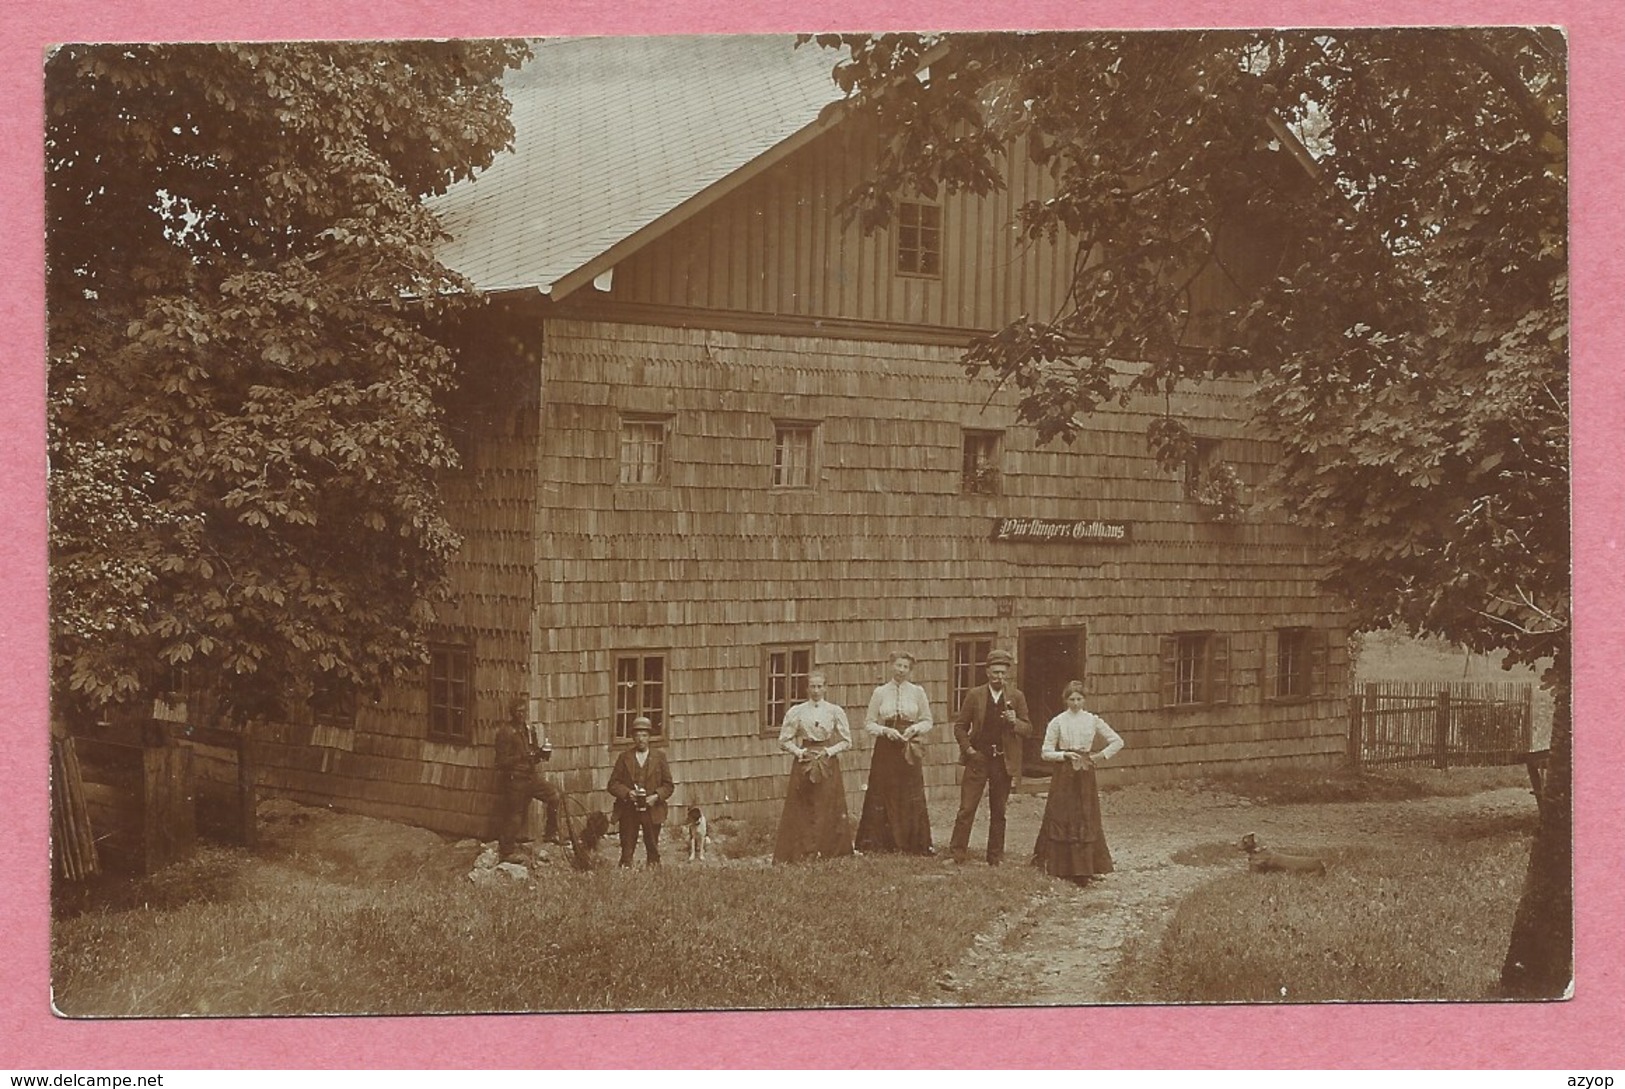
point(1064, 947)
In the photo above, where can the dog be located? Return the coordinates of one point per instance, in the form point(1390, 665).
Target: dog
point(1260, 859)
point(697, 833)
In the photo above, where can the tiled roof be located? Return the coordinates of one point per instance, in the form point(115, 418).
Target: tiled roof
point(611, 134)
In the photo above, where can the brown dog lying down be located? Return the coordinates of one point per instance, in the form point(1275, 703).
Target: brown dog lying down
point(1260, 859)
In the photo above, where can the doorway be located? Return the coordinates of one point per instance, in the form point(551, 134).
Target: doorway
point(1047, 659)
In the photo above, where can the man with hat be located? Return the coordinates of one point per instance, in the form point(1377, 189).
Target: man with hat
point(991, 722)
point(519, 780)
point(641, 782)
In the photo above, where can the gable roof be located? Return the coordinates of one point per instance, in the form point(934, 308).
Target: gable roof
point(616, 140)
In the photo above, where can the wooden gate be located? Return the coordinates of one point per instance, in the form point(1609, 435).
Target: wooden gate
point(1461, 724)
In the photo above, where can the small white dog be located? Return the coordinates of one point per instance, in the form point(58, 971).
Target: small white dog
point(697, 834)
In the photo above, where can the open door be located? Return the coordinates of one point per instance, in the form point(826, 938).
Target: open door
point(1047, 659)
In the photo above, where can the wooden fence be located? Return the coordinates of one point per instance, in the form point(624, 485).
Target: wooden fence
point(1461, 724)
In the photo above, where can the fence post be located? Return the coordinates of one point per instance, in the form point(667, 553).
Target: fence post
point(1441, 730)
point(1356, 722)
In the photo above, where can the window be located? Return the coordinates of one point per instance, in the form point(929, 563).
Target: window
point(1295, 664)
point(1196, 470)
point(451, 691)
point(979, 468)
point(793, 454)
point(919, 239)
point(640, 689)
point(332, 702)
point(643, 449)
point(967, 666)
point(784, 681)
point(1195, 669)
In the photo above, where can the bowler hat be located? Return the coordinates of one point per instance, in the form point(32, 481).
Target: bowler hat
point(1000, 657)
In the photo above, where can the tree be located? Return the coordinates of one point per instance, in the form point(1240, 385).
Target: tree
point(244, 384)
point(1392, 205)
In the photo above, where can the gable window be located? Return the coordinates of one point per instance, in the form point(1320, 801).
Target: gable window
point(784, 681)
point(793, 454)
point(640, 689)
point(967, 666)
point(451, 691)
point(643, 449)
point(1295, 663)
point(1195, 669)
point(979, 465)
point(919, 239)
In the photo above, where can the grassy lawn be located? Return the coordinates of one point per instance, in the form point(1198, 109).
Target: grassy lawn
point(842, 933)
point(1421, 921)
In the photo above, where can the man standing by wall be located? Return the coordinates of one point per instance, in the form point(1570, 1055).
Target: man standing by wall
point(641, 782)
point(989, 728)
point(518, 780)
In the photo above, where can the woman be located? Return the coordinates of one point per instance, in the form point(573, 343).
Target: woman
point(1071, 842)
point(814, 823)
point(894, 815)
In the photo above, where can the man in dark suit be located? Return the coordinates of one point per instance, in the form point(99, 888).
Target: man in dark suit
point(519, 780)
point(989, 728)
point(641, 782)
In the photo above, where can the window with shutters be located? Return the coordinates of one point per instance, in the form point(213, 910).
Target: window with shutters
point(1195, 669)
point(1295, 664)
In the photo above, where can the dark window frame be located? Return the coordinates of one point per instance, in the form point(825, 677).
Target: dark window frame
point(783, 688)
point(1296, 664)
point(981, 462)
point(450, 692)
point(1195, 670)
point(919, 234)
point(967, 665)
point(332, 702)
point(623, 711)
point(782, 428)
point(628, 441)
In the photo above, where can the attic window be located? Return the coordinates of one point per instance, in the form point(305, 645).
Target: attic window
point(919, 239)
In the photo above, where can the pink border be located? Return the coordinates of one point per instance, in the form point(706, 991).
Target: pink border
point(1574, 1035)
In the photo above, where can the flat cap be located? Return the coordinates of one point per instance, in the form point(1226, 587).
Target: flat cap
point(1000, 657)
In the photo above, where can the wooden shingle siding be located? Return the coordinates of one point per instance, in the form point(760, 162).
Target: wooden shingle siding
point(884, 551)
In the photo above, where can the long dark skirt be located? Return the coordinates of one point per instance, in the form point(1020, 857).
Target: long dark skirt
point(814, 823)
point(1071, 842)
point(894, 815)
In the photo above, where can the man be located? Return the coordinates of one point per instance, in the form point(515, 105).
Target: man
point(989, 728)
point(518, 780)
point(641, 782)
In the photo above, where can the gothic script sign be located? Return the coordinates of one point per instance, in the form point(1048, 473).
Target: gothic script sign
point(1081, 530)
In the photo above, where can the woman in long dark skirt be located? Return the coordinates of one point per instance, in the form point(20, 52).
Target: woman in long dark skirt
point(1071, 842)
point(814, 823)
point(894, 814)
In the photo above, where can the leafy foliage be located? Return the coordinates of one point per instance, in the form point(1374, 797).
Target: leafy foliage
point(244, 427)
point(1392, 207)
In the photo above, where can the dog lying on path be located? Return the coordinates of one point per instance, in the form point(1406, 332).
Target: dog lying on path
point(1260, 859)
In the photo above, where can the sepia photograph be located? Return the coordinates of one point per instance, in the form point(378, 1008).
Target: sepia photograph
point(809, 521)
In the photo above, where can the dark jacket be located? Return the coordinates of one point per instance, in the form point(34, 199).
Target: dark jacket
point(654, 777)
point(974, 719)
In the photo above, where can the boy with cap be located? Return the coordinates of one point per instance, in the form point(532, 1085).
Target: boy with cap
point(641, 782)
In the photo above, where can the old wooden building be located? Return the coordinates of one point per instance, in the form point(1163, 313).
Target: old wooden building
point(716, 437)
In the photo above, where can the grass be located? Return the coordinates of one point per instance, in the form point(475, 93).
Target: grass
point(841, 933)
point(1285, 787)
point(1424, 922)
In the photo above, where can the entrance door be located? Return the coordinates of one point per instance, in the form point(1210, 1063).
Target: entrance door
point(1048, 658)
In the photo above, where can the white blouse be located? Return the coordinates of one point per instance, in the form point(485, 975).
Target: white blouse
point(816, 722)
point(1075, 731)
point(907, 700)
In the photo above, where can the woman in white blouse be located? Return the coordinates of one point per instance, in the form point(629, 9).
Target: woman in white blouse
point(894, 814)
point(1071, 842)
point(814, 823)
